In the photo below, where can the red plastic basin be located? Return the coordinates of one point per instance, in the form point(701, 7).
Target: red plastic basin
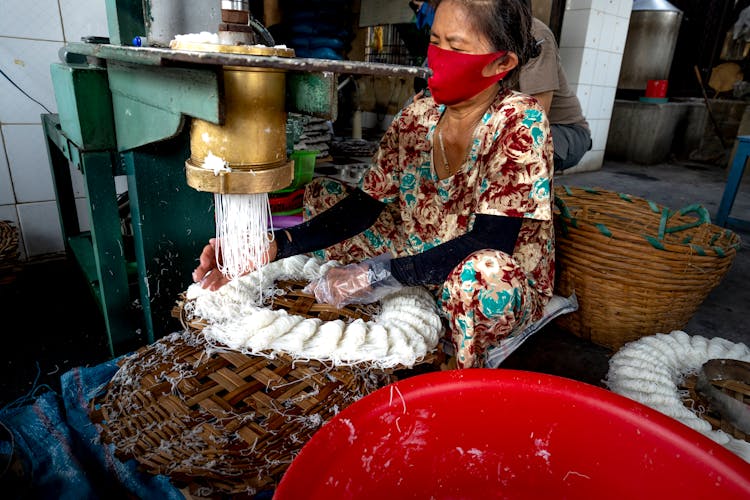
point(508, 434)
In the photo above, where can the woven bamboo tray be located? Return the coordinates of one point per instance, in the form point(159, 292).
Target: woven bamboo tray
point(736, 389)
point(8, 251)
point(220, 421)
point(636, 267)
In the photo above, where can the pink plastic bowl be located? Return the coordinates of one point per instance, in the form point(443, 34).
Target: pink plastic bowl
point(508, 434)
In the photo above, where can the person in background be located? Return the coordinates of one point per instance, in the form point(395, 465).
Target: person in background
point(424, 14)
point(544, 78)
point(458, 198)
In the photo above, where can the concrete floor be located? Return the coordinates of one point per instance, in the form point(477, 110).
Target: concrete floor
point(64, 328)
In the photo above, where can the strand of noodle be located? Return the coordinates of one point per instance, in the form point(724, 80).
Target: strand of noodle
point(242, 232)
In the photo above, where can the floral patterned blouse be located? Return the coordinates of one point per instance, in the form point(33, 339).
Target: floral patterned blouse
point(507, 172)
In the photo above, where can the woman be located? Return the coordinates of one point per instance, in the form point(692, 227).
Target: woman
point(458, 196)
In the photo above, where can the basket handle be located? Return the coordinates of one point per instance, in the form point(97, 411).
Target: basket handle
point(703, 217)
point(560, 203)
point(700, 211)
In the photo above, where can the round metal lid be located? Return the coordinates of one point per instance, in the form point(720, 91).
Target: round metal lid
point(253, 50)
point(662, 5)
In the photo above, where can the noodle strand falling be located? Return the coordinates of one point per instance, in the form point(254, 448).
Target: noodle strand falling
point(242, 232)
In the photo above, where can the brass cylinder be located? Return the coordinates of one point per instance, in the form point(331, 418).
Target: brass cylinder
point(254, 130)
point(252, 138)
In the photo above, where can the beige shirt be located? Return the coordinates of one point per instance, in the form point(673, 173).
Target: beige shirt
point(545, 73)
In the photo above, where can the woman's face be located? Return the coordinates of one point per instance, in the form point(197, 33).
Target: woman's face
point(453, 30)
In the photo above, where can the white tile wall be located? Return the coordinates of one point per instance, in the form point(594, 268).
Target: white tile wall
point(619, 34)
point(624, 8)
point(593, 110)
point(608, 31)
point(8, 212)
point(606, 6)
point(577, 5)
point(578, 63)
point(574, 28)
point(608, 102)
point(599, 132)
point(40, 224)
point(121, 184)
point(6, 186)
point(571, 59)
point(76, 25)
point(594, 34)
point(39, 19)
point(591, 46)
point(29, 163)
point(31, 35)
point(615, 60)
point(601, 68)
point(82, 209)
point(601, 102)
point(592, 160)
point(79, 191)
point(27, 63)
point(76, 179)
point(583, 92)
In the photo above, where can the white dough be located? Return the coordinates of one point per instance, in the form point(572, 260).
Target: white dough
point(407, 328)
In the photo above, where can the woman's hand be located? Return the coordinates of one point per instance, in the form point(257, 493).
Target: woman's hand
point(207, 273)
point(340, 286)
point(362, 283)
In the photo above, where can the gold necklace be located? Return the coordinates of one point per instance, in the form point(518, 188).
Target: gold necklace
point(444, 156)
point(442, 152)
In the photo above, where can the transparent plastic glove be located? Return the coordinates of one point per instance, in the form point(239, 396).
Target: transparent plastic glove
point(361, 283)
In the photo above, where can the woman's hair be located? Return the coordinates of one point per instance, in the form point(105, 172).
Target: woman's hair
point(507, 26)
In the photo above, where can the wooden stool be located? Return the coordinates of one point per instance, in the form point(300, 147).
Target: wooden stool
point(733, 185)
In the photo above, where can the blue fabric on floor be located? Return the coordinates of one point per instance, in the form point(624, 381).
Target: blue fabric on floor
point(54, 435)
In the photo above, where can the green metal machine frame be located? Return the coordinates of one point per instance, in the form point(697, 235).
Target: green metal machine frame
point(124, 111)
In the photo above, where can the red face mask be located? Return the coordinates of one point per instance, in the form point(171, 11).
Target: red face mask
point(457, 76)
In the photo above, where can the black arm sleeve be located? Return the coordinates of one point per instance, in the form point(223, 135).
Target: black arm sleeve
point(433, 266)
point(345, 219)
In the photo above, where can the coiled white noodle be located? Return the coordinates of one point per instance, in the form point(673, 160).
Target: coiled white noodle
point(242, 232)
point(649, 369)
point(234, 318)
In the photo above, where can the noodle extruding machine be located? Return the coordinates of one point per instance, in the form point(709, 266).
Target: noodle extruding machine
point(140, 110)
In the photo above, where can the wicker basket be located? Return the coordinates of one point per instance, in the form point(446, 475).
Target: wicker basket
point(637, 268)
point(218, 421)
point(8, 251)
